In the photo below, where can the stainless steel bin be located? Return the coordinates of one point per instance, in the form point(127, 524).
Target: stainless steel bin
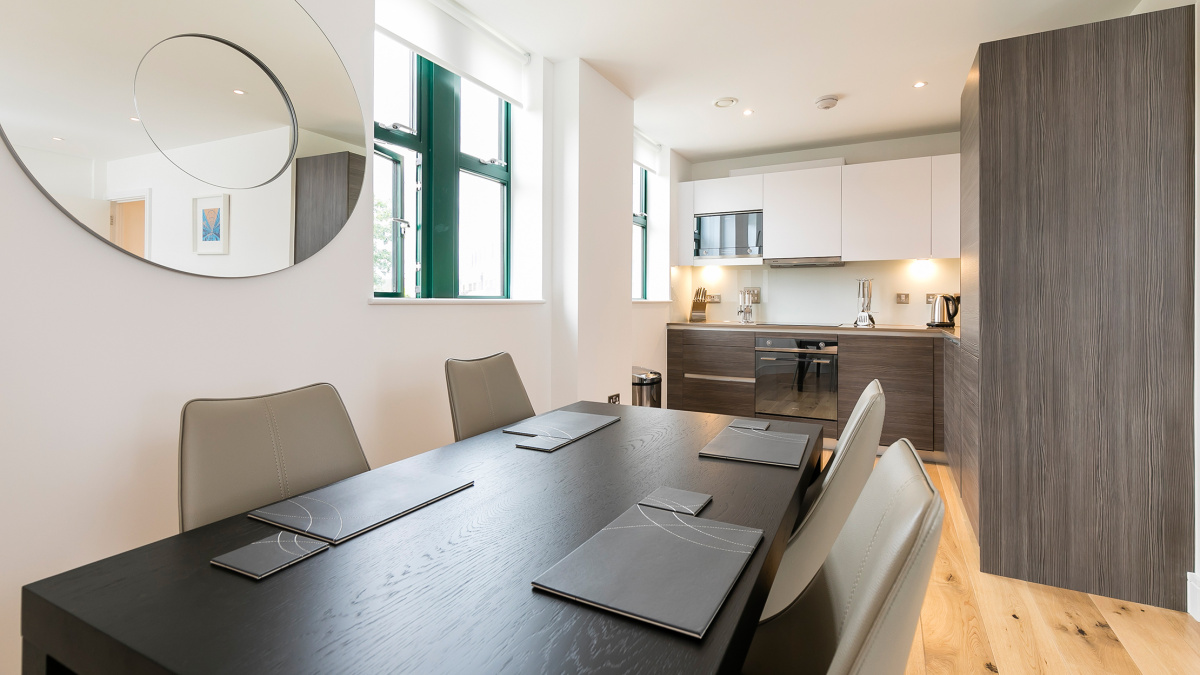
point(647, 387)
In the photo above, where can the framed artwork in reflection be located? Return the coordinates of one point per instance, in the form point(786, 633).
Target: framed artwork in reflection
point(210, 225)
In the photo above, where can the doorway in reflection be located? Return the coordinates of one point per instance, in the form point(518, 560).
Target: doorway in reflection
point(127, 226)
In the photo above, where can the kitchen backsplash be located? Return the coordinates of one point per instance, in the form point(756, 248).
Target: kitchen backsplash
point(827, 294)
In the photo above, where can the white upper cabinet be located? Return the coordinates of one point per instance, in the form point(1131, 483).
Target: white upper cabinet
point(727, 195)
point(886, 210)
point(685, 225)
point(802, 213)
point(945, 206)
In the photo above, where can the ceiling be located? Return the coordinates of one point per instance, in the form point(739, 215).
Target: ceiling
point(675, 57)
point(67, 70)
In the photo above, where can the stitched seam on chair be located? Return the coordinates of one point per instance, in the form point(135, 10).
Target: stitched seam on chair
point(891, 601)
point(862, 564)
point(280, 467)
point(488, 392)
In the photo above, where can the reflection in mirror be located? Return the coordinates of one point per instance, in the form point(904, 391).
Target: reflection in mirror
point(202, 100)
point(68, 71)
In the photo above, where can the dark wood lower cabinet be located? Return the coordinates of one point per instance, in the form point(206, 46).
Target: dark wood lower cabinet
point(719, 396)
point(961, 424)
point(904, 367)
point(674, 392)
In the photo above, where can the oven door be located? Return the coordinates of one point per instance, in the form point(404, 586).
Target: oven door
point(796, 384)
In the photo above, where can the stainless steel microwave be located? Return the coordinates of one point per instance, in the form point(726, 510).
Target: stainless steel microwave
point(729, 235)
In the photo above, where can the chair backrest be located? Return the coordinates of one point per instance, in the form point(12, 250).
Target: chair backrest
point(485, 394)
point(837, 489)
point(861, 610)
point(238, 454)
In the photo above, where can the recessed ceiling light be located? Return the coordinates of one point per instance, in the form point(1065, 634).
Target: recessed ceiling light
point(918, 85)
point(747, 112)
point(55, 138)
point(239, 92)
point(727, 102)
point(135, 119)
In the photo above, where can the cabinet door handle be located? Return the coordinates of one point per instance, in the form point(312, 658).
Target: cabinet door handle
point(718, 378)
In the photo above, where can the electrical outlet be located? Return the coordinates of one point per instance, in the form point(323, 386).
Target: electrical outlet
point(754, 292)
point(615, 399)
point(902, 298)
point(713, 299)
point(929, 298)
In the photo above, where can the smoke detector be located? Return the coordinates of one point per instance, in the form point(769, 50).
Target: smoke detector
point(826, 102)
point(727, 102)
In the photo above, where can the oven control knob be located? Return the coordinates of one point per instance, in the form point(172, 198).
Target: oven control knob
point(768, 343)
point(820, 345)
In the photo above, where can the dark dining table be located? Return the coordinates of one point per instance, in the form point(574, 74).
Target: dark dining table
point(445, 589)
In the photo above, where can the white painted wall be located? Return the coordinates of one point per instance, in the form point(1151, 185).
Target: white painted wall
point(857, 153)
point(74, 182)
point(100, 351)
point(829, 294)
point(592, 350)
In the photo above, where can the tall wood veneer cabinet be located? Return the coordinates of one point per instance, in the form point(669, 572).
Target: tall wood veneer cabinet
point(327, 188)
point(1077, 237)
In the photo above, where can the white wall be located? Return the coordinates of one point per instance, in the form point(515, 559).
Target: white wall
point(89, 427)
point(259, 222)
point(829, 294)
point(857, 153)
point(593, 252)
point(74, 182)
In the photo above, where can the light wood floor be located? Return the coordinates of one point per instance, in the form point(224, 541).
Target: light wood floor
point(978, 623)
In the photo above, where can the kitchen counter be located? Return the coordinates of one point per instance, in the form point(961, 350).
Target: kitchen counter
point(844, 329)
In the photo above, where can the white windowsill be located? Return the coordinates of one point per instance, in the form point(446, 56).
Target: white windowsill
point(651, 302)
point(452, 301)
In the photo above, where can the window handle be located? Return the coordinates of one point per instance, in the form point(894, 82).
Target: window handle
point(494, 162)
point(404, 225)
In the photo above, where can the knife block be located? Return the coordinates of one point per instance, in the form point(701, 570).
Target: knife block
point(699, 311)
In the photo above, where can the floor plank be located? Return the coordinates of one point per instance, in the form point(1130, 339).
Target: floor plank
point(1087, 643)
point(952, 630)
point(1158, 641)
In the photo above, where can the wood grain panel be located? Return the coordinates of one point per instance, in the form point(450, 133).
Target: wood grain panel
point(722, 361)
point(969, 171)
point(939, 389)
point(327, 188)
point(904, 367)
point(1086, 156)
point(675, 381)
point(719, 338)
point(720, 397)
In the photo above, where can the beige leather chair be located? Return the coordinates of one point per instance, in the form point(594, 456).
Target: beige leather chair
point(837, 489)
point(485, 394)
point(238, 454)
point(860, 612)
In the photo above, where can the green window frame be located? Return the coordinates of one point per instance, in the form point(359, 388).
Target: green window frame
point(399, 226)
point(641, 219)
point(436, 139)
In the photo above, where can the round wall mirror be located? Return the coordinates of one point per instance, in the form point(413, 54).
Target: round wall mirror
point(219, 138)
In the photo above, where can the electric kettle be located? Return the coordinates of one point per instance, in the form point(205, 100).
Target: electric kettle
point(943, 310)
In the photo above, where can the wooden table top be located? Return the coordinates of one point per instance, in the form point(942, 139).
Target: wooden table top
point(444, 589)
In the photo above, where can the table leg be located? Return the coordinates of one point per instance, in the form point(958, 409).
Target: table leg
point(35, 661)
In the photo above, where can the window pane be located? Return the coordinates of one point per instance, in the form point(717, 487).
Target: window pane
point(384, 282)
point(639, 260)
point(480, 236)
point(393, 82)
point(481, 121)
point(637, 190)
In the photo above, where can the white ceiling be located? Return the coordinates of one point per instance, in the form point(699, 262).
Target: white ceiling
point(675, 57)
point(67, 70)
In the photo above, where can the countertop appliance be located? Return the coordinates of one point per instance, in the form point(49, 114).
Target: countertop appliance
point(796, 377)
point(943, 310)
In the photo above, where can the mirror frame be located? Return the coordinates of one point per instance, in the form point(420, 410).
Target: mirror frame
point(287, 101)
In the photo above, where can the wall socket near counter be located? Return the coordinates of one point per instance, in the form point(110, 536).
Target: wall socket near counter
point(929, 298)
point(615, 399)
point(902, 298)
point(712, 299)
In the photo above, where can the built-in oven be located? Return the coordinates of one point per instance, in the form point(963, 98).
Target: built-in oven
point(796, 377)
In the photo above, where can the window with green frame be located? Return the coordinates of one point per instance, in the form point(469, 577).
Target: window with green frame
point(442, 197)
point(640, 222)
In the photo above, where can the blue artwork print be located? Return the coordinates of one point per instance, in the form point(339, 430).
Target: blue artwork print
point(212, 225)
